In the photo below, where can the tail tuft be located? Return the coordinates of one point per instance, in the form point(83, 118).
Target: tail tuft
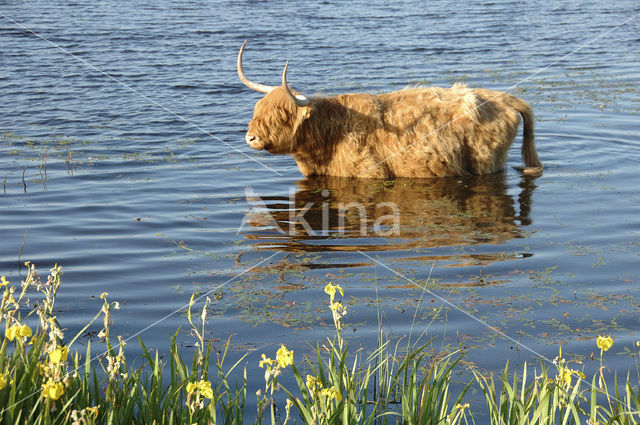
point(529, 154)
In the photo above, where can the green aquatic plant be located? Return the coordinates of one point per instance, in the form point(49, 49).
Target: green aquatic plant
point(42, 382)
point(44, 379)
point(384, 387)
point(563, 399)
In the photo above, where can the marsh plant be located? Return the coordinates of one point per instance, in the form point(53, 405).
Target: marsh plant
point(42, 383)
point(566, 398)
point(45, 380)
point(383, 387)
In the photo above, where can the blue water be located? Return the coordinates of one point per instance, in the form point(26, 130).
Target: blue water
point(127, 121)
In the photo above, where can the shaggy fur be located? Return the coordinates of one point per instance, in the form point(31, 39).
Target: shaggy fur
point(416, 132)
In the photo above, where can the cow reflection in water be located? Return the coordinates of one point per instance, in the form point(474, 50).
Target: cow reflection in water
point(348, 214)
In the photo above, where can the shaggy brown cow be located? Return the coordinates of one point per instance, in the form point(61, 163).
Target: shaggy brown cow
point(415, 132)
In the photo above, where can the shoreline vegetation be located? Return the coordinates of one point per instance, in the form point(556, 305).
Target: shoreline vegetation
point(43, 382)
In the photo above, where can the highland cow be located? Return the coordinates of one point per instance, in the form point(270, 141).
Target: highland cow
point(415, 132)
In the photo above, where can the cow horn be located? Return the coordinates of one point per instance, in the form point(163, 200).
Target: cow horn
point(255, 86)
point(299, 99)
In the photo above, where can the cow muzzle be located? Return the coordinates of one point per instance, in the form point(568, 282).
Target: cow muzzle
point(254, 141)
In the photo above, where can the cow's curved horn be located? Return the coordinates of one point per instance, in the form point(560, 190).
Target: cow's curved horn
point(255, 86)
point(299, 99)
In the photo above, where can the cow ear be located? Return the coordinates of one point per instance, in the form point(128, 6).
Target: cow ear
point(306, 113)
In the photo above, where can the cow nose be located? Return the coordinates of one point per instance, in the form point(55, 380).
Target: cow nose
point(252, 140)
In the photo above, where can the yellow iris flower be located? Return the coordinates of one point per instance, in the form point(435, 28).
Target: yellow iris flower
point(331, 393)
point(204, 387)
point(59, 355)
point(312, 383)
point(330, 290)
point(11, 332)
point(17, 331)
point(25, 331)
point(604, 342)
point(52, 390)
point(201, 387)
point(337, 307)
point(284, 357)
point(265, 361)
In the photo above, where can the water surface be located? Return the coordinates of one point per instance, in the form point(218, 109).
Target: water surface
point(123, 159)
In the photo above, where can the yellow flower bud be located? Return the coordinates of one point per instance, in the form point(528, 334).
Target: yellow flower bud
point(93, 410)
point(566, 376)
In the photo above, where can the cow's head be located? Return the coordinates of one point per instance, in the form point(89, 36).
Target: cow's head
point(277, 116)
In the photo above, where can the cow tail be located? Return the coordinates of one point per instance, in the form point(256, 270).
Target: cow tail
point(529, 153)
